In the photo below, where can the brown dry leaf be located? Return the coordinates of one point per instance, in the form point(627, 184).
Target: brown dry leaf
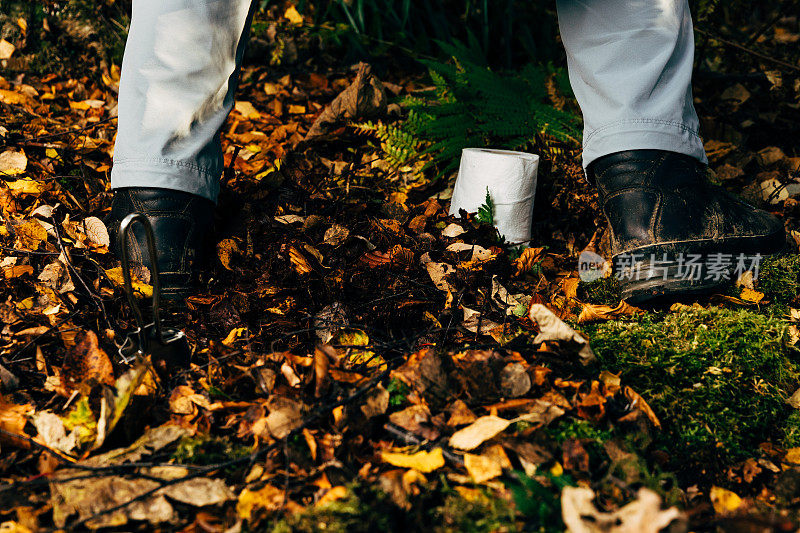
point(86, 364)
point(247, 110)
point(594, 313)
point(185, 401)
point(423, 461)
point(89, 497)
point(284, 416)
point(322, 369)
point(514, 380)
point(364, 98)
point(13, 418)
point(552, 328)
point(412, 418)
point(529, 258)
point(376, 402)
point(96, 231)
point(643, 515)
point(335, 235)
point(483, 429)
point(639, 403)
point(460, 414)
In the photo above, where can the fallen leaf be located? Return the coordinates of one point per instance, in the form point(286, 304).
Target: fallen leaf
point(6, 49)
point(552, 328)
point(30, 235)
point(643, 515)
point(293, 16)
point(514, 380)
point(86, 364)
point(594, 313)
point(723, 500)
point(483, 429)
point(362, 99)
point(13, 163)
point(247, 110)
point(140, 290)
point(488, 465)
point(13, 418)
point(376, 402)
point(423, 461)
point(750, 295)
point(452, 230)
point(268, 497)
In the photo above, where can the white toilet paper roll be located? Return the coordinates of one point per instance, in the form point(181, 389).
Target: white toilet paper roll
point(511, 180)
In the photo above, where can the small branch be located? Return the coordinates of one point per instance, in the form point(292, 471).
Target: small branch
point(743, 48)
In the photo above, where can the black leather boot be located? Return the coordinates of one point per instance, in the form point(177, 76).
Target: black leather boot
point(182, 224)
point(673, 232)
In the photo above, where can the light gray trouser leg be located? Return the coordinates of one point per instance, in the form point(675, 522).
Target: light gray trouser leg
point(177, 87)
point(630, 66)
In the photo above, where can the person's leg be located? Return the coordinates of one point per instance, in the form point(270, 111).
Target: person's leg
point(179, 75)
point(672, 232)
point(630, 66)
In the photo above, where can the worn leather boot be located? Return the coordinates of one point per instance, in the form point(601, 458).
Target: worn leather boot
point(673, 232)
point(182, 224)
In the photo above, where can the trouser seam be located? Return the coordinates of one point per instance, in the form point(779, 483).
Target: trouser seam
point(648, 121)
point(168, 162)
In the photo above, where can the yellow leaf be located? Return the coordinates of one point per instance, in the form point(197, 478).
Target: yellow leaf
point(269, 498)
point(336, 493)
point(750, 295)
point(13, 527)
point(247, 110)
point(724, 501)
point(140, 290)
point(594, 312)
point(23, 24)
point(51, 153)
point(234, 335)
point(557, 470)
point(422, 461)
point(79, 106)
point(488, 465)
point(225, 249)
point(26, 186)
point(12, 98)
point(297, 109)
point(793, 456)
point(293, 16)
point(349, 339)
point(30, 235)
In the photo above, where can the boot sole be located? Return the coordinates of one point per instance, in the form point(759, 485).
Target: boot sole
point(666, 277)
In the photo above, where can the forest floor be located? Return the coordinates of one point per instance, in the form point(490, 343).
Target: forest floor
point(364, 362)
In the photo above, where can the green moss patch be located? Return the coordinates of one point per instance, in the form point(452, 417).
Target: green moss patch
point(779, 277)
point(717, 378)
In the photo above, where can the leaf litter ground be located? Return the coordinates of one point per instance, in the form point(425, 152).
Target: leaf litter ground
point(362, 361)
